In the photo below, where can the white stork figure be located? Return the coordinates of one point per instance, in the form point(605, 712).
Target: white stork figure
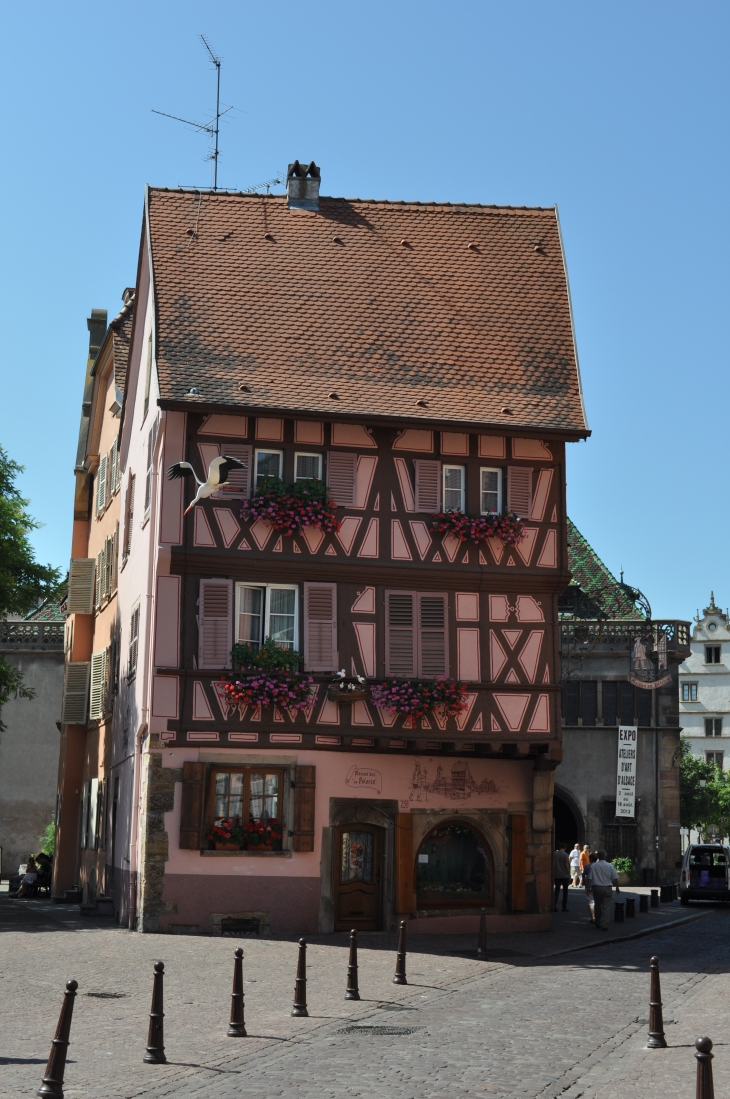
point(218, 471)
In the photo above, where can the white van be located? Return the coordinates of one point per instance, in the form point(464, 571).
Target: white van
point(705, 873)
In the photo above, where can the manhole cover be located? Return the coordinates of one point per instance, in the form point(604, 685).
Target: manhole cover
point(379, 1030)
point(107, 995)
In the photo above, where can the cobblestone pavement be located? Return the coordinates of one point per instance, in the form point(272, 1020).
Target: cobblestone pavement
point(531, 1022)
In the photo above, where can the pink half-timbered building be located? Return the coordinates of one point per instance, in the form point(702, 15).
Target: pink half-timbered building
point(416, 358)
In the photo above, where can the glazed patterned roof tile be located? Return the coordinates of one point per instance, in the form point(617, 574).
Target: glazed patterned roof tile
point(463, 307)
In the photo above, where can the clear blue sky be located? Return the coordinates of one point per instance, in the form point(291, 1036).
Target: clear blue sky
point(618, 112)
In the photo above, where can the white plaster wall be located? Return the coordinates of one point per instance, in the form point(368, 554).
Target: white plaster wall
point(713, 690)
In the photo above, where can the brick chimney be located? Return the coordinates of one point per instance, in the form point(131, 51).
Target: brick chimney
point(302, 186)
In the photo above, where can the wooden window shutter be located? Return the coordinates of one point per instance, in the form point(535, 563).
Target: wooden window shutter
point(433, 653)
point(428, 485)
point(114, 572)
point(75, 692)
point(101, 485)
point(151, 441)
point(304, 790)
point(98, 683)
point(81, 586)
point(518, 862)
point(519, 490)
point(405, 884)
point(239, 480)
point(215, 622)
point(400, 634)
point(128, 516)
point(341, 475)
point(98, 595)
point(191, 812)
point(114, 467)
point(320, 627)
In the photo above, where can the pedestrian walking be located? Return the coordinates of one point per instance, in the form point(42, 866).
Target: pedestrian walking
point(575, 865)
point(561, 871)
point(603, 876)
point(585, 857)
point(588, 883)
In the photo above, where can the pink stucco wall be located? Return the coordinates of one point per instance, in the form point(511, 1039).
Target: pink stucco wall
point(347, 775)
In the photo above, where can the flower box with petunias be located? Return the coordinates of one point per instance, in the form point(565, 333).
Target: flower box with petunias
point(291, 508)
point(266, 676)
point(508, 528)
point(258, 835)
point(417, 697)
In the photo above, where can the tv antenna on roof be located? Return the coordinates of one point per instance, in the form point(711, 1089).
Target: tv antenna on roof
point(212, 126)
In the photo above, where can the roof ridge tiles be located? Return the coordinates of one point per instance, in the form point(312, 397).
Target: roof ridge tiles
point(220, 193)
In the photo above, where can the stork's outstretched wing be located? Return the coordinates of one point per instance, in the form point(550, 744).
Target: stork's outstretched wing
point(225, 465)
point(182, 469)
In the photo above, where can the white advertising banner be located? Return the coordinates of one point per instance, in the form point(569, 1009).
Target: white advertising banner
point(626, 771)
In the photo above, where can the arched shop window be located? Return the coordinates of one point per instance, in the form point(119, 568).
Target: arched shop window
point(453, 867)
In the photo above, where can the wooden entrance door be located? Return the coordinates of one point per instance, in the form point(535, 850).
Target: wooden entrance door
point(358, 872)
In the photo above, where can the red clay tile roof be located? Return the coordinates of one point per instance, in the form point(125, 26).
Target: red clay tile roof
point(121, 329)
point(384, 303)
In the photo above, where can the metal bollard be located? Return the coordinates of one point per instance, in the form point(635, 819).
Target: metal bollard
point(643, 903)
point(655, 898)
point(53, 1080)
point(237, 1025)
point(667, 894)
point(656, 1022)
point(400, 960)
point(618, 912)
point(482, 941)
point(630, 908)
point(299, 1007)
point(705, 1088)
point(155, 1052)
point(352, 992)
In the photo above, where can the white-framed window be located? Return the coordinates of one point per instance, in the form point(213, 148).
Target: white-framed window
point(307, 467)
point(712, 654)
point(490, 488)
point(268, 463)
point(689, 692)
point(267, 610)
point(454, 488)
point(713, 726)
point(716, 758)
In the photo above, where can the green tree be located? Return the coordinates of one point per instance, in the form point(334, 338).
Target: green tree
point(23, 581)
point(704, 795)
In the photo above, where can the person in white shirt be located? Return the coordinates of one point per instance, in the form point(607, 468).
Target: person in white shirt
point(575, 864)
point(603, 876)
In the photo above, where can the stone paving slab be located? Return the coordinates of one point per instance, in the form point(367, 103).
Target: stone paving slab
point(520, 1026)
